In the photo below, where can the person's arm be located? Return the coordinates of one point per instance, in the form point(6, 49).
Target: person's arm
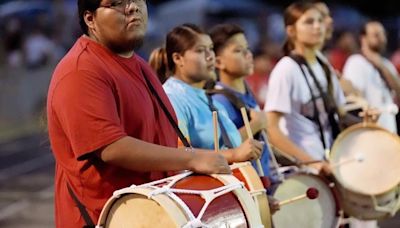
point(134, 154)
point(393, 80)
point(279, 140)
point(348, 88)
point(243, 133)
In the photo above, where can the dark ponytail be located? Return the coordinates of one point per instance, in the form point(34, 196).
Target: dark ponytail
point(158, 61)
point(288, 47)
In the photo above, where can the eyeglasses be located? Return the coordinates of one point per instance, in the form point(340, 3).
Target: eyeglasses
point(122, 5)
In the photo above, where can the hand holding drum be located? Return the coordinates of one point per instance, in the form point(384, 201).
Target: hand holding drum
point(370, 115)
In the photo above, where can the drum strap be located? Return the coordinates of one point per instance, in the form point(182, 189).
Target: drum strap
point(235, 101)
point(385, 81)
point(299, 60)
point(167, 113)
point(82, 209)
point(328, 98)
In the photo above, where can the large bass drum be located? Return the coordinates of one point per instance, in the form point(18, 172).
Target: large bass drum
point(366, 164)
point(184, 200)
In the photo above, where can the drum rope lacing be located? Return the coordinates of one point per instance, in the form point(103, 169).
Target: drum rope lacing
point(166, 188)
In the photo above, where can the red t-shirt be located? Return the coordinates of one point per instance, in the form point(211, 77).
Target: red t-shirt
point(95, 98)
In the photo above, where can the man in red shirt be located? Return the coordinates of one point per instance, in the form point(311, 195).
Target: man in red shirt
point(107, 130)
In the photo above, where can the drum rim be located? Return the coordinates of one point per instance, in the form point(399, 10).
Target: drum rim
point(346, 132)
point(253, 183)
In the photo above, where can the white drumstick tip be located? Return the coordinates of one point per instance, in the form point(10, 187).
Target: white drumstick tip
point(392, 109)
point(359, 157)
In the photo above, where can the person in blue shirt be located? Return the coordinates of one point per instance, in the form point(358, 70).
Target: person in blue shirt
point(234, 61)
point(185, 64)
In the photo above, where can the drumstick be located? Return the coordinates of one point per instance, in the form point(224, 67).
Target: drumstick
point(216, 138)
point(311, 193)
point(356, 158)
point(250, 135)
point(281, 177)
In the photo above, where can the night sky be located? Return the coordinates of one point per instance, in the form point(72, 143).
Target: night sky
point(372, 8)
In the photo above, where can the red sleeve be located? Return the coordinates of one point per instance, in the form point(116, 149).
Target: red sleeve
point(85, 106)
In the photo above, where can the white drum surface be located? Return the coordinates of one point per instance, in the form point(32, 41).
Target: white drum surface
point(369, 158)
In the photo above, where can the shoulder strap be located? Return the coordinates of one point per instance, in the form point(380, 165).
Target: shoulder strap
point(380, 73)
point(328, 74)
point(301, 61)
point(329, 100)
point(167, 113)
point(233, 99)
point(82, 209)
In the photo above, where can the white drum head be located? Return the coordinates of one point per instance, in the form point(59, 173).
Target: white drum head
point(305, 213)
point(369, 158)
point(131, 210)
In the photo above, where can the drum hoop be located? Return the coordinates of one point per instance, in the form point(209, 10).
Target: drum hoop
point(238, 165)
point(356, 127)
point(247, 173)
point(256, 190)
point(348, 131)
point(245, 199)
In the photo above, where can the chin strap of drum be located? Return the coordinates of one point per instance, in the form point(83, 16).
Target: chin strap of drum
point(207, 195)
